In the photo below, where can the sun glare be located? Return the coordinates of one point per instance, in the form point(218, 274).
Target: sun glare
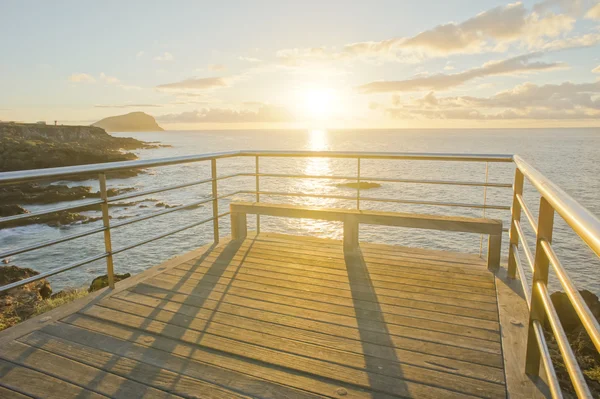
point(319, 103)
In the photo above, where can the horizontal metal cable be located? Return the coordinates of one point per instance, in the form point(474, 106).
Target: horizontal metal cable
point(581, 308)
point(524, 244)
point(381, 179)
point(390, 200)
point(522, 277)
point(52, 272)
point(168, 188)
point(527, 212)
point(553, 384)
point(568, 356)
point(157, 237)
point(82, 204)
point(48, 243)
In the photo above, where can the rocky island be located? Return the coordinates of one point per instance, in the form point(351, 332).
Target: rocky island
point(131, 122)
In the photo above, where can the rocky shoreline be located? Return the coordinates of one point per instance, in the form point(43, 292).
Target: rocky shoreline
point(34, 146)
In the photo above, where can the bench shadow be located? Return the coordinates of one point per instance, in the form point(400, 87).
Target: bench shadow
point(362, 289)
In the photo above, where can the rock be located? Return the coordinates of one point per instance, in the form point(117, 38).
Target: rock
point(566, 313)
point(131, 122)
point(363, 185)
point(12, 210)
point(20, 303)
point(102, 281)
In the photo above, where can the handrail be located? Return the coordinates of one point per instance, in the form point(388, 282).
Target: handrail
point(103, 168)
point(553, 199)
point(587, 227)
point(581, 220)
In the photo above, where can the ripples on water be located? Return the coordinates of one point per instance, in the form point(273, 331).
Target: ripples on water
point(568, 156)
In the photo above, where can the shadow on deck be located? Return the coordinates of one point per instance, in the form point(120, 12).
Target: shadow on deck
point(270, 317)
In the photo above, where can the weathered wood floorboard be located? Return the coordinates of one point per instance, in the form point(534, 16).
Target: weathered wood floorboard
point(275, 316)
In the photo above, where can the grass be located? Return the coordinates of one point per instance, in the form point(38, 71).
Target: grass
point(69, 296)
point(11, 314)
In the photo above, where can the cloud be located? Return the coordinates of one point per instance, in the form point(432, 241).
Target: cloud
point(594, 12)
point(520, 64)
point(108, 79)
point(249, 59)
point(164, 57)
point(596, 70)
point(265, 113)
point(139, 54)
point(216, 67)
point(490, 31)
point(82, 78)
point(527, 101)
point(127, 106)
point(195, 84)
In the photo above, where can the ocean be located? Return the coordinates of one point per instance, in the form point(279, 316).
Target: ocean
point(569, 157)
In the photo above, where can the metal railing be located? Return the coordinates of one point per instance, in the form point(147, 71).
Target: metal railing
point(103, 202)
point(553, 199)
point(587, 227)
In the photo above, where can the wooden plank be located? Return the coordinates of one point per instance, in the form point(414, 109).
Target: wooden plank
point(247, 322)
point(191, 379)
point(380, 260)
point(288, 266)
point(6, 393)
point(459, 325)
point(364, 379)
point(398, 219)
point(193, 360)
point(37, 322)
point(469, 316)
point(382, 287)
point(80, 374)
point(291, 345)
point(400, 341)
point(40, 385)
point(362, 309)
point(514, 318)
point(416, 265)
point(369, 246)
point(262, 284)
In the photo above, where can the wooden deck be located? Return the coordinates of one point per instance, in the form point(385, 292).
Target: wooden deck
point(273, 316)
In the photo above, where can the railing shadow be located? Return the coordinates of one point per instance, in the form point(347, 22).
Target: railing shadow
point(362, 289)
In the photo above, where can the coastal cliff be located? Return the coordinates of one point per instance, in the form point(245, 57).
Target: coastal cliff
point(131, 122)
point(35, 146)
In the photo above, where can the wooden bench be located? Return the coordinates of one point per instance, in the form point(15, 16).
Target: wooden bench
point(353, 218)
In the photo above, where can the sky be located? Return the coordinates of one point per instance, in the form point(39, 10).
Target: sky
point(311, 64)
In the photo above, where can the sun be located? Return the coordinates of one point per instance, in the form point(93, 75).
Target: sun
point(319, 103)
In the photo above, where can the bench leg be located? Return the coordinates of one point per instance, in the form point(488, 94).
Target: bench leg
point(494, 248)
point(239, 227)
point(350, 234)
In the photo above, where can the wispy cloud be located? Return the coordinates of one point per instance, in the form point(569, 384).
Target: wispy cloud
point(108, 79)
point(127, 106)
point(596, 70)
point(166, 56)
point(526, 101)
point(140, 54)
point(265, 113)
point(195, 84)
point(520, 64)
point(216, 67)
point(82, 78)
point(249, 59)
point(594, 12)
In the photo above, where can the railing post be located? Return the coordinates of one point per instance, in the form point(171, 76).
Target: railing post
point(484, 204)
point(257, 195)
point(515, 216)
point(106, 222)
point(358, 183)
point(540, 274)
point(215, 201)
